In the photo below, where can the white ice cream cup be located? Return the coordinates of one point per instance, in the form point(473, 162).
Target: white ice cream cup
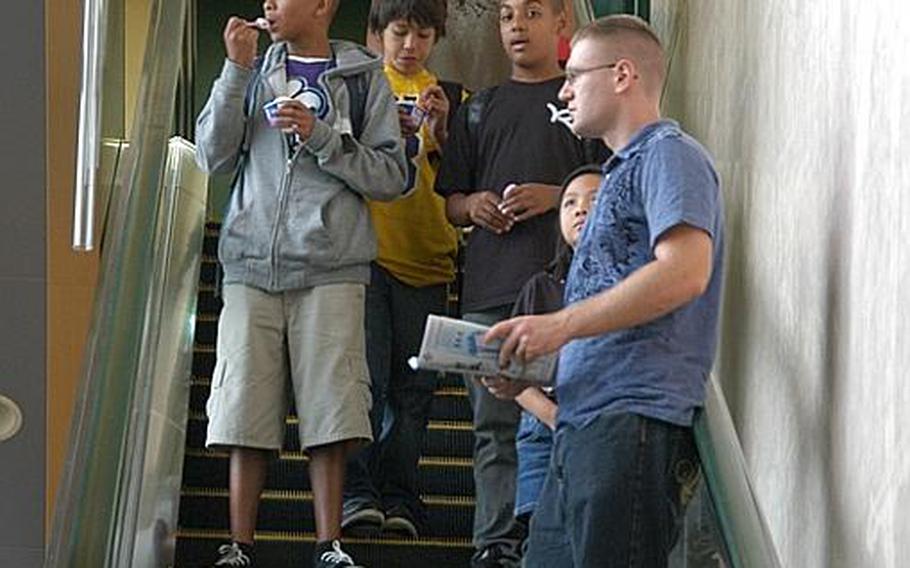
point(271, 108)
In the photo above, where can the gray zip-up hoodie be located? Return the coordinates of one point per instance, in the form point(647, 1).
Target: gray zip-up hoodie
point(300, 220)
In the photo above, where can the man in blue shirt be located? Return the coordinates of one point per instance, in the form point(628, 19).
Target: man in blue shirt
point(639, 331)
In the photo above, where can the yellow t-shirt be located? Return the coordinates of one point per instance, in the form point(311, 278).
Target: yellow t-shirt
point(416, 242)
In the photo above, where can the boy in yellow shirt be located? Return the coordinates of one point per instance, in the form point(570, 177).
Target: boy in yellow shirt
point(415, 264)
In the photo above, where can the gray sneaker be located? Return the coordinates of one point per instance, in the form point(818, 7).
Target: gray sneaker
point(398, 523)
point(363, 521)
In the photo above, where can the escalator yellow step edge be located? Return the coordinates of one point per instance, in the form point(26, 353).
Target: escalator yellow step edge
point(452, 391)
point(443, 391)
point(457, 425)
point(277, 536)
point(296, 495)
point(427, 461)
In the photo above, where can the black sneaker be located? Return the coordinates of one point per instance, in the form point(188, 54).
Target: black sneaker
point(329, 555)
point(494, 557)
point(234, 554)
point(399, 523)
point(362, 521)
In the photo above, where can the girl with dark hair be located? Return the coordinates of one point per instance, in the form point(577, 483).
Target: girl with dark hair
point(543, 293)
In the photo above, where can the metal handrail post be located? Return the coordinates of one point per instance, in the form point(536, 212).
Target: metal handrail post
point(94, 29)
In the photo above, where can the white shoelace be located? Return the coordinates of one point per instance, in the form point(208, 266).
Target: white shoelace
point(232, 555)
point(336, 554)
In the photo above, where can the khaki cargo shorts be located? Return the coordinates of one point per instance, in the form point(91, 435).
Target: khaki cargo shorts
point(313, 336)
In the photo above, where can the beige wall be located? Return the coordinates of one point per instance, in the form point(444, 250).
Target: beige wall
point(71, 277)
point(806, 107)
point(471, 52)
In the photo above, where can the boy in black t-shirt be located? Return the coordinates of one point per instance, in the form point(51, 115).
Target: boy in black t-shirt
point(504, 162)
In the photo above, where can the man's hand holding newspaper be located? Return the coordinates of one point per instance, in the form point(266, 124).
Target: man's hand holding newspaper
point(456, 346)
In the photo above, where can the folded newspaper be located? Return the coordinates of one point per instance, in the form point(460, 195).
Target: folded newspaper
point(456, 346)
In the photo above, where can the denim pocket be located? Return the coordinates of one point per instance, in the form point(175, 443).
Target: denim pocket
point(685, 469)
point(531, 429)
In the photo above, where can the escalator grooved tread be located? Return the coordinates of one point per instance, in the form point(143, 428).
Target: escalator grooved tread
point(277, 549)
point(288, 536)
point(298, 495)
point(297, 456)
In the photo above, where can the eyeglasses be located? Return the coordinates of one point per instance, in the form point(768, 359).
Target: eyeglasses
point(573, 74)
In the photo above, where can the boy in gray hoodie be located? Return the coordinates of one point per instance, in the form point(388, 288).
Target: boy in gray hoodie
point(296, 246)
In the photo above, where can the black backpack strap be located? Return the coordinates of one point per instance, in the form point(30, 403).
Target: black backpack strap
point(477, 106)
point(358, 89)
point(454, 92)
point(474, 112)
point(249, 99)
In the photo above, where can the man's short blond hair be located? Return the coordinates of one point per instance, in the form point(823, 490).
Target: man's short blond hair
point(632, 38)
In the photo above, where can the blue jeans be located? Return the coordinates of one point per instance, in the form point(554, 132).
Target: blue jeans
point(615, 494)
point(534, 444)
point(385, 472)
point(495, 460)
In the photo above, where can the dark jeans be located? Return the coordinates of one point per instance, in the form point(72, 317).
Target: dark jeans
point(495, 460)
point(615, 494)
point(385, 472)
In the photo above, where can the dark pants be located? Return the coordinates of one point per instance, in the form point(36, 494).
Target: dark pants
point(385, 472)
point(495, 460)
point(615, 494)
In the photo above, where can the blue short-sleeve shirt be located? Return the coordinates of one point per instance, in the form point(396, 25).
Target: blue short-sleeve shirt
point(661, 179)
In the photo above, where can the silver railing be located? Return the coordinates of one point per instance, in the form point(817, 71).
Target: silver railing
point(94, 32)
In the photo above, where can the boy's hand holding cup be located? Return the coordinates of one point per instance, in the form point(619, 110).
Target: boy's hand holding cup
point(290, 115)
point(410, 117)
point(271, 109)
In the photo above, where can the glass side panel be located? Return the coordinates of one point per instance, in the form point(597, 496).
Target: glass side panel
point(74, 492)
point(723, 526)
point(737, 514)
point(99, 504)
point(700, 543)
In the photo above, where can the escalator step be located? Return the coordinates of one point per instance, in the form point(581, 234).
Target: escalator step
point(452, 439)
point(436, 475)
point(450, 404)
point(285, 538)
point(292, 511)
point(279, 550)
